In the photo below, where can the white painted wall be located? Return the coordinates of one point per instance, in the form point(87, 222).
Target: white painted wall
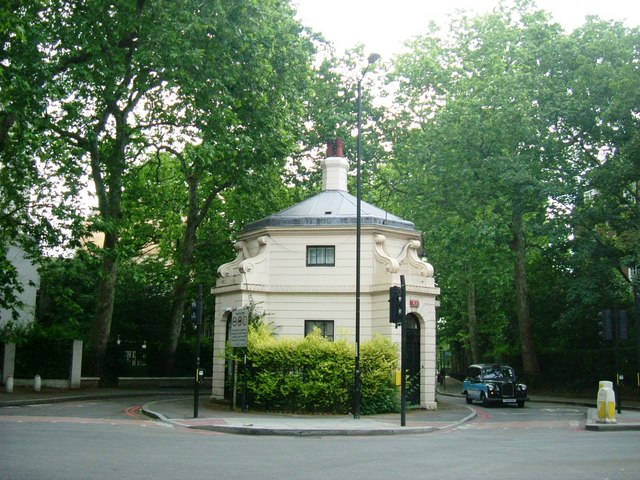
point(271, 270)
point(29, 278)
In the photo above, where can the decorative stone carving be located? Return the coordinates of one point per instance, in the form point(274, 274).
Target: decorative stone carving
point(409, 252)
point(391, 264)
point(232, 268)
point(249, 264)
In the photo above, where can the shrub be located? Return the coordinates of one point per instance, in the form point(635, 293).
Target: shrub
point(379, 362)
point(302, 375)
point(315, 375)
point(45, 351)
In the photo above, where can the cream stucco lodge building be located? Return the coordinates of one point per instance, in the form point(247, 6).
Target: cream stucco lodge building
point(299, 266)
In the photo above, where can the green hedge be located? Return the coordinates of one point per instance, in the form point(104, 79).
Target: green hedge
point(315, 375)
point(379, 362)
point(40, 351)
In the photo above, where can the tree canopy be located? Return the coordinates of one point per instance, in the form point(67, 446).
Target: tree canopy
point(512, 144)
point(217, 85)
point(512, 133)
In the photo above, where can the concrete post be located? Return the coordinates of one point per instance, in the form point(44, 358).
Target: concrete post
point(9, 362)
point(75, 378)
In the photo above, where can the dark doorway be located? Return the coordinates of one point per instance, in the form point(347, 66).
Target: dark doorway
point(413, 359)
point(229, 365)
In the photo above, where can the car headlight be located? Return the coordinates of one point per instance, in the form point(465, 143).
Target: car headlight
point(521, 386)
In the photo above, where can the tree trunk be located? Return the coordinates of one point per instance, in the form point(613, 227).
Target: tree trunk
point(181, 283)
point(101, 327)
point(178, 300)
point(107, 171)
point(474, 343)
point(527, 344)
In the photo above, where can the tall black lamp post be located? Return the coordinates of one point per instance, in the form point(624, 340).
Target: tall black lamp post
point(635, 283)
point(357, 384)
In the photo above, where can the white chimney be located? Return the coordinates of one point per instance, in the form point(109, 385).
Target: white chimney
point(335, 166)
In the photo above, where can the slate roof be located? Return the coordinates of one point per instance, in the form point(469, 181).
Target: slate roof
point(331, 207)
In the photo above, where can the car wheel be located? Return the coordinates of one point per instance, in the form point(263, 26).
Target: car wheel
point(469, 400)
point(483, 399)
point(520, 403)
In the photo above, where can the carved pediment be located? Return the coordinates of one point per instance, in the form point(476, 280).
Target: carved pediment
point(391, 264)
point(244, 262)
point(409, 252)
point(248, 265)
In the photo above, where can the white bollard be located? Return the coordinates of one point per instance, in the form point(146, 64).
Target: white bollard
point(8, 384)
point(37, 383)
point(606, 402)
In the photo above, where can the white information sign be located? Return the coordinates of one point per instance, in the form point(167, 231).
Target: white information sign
point(239, 334)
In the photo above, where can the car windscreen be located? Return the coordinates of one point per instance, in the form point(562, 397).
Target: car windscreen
point(498, 373)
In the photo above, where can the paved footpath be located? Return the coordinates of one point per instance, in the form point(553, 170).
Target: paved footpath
point(212, 416)
point(178, 409)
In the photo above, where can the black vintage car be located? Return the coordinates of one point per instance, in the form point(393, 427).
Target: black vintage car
point(493, 384)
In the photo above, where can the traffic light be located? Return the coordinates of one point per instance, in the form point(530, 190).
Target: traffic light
point(395, 305)
point(196, 313)
point(605, 325)
point(623, 325)
point(613, 325)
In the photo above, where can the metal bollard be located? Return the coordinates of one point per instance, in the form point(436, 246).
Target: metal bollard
point(606, 403)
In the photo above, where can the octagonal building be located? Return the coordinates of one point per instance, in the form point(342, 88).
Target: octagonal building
point(299, 266)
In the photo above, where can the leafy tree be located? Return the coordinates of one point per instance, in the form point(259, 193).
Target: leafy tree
point(37, 207)
point(122, 79)
point(67, 293)
point(474, 126)
point(598, 125)
point(517, 141)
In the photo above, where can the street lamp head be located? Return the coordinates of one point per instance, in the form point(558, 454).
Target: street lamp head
point(373, 58)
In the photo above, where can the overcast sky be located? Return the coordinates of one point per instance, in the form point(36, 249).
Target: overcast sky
point(383, 25)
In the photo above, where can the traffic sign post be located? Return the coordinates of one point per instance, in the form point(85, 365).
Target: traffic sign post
point(239, 338)
point(239, 333)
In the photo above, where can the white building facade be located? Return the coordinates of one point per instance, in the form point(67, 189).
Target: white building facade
point(299, 267)
point(29, 279)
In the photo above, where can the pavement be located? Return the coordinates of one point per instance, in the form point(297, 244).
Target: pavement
point(176, 406)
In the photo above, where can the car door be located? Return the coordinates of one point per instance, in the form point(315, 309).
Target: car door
point(474, 386)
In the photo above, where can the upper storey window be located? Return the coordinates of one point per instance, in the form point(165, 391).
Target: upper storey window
point(321, 256)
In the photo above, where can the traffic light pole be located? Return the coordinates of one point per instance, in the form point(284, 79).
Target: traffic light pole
point(397, 315)
point(636, 301)
point(403, 352)
point(196, 379)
